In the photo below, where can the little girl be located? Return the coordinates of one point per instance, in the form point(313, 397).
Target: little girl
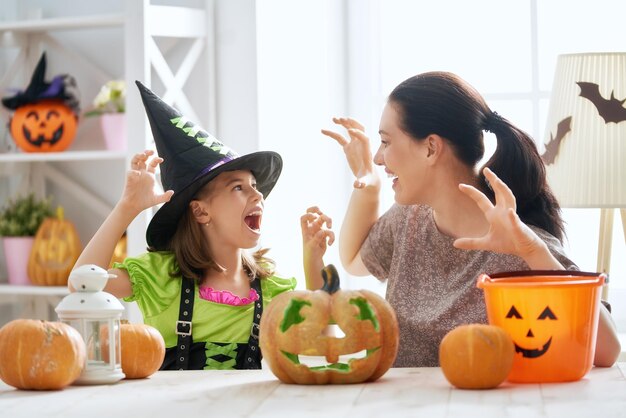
point(196, 284)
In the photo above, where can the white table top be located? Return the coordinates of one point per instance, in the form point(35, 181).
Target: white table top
point(404, 392)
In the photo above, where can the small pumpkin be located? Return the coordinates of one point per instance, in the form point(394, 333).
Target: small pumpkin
point(55, 250)
point(142, 349)
point(476, 356)
point(294, 323)
point(40, 355)
point(44, 126)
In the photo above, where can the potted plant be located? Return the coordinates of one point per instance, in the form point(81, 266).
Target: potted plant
point(19, 221)
point(110, 105)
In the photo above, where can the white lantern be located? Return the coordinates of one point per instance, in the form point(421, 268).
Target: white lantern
point(96, 315)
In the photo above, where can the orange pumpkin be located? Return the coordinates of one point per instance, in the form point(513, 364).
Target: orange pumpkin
point(143, 349)
point(294, 323)
point(44, 126)
point(55, 250)
point(40, 355)
point(476, 356)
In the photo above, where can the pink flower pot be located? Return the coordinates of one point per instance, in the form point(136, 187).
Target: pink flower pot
point(114, 131)
point(16, 253)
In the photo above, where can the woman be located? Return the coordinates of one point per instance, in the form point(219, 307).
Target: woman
point(451, 221)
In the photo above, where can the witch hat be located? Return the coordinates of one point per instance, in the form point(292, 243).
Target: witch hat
point(193, 157)
point(62, 87)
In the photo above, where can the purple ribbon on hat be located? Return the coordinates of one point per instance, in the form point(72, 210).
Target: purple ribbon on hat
point(214, 166)
point(54, 89)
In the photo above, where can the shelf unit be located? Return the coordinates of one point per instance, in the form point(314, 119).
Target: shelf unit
point(62, 23)
point(144, 27)
point(34, 302)
point(31, 157)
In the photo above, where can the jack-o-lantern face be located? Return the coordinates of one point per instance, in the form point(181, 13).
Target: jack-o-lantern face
point(296, 345)
point(55, 250)
point(45, 126)
point(534, 345)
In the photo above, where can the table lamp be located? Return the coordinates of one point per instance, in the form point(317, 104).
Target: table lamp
point(585, 145)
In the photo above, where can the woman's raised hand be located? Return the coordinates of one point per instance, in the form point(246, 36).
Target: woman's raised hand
point(507, 233)
point(357, 150)
point(140, 191)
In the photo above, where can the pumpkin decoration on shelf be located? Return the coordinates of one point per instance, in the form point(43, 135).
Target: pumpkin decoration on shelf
point(143, 349)
point(476, 356)
point(55, 250)
point(45, 126)
point(119, 253)
point(45, 114)
point(40, 355)
point(293, 329)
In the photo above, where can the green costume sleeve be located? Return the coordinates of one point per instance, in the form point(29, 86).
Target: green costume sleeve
point(153, 288)
point(275, 285)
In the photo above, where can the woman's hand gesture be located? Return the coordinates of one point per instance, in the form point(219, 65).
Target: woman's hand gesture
point(357, 150)
point(507, 233)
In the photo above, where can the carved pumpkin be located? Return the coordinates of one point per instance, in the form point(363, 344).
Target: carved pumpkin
point(119, 253)
point(55, 250)
point(40, 355)
point(293, 326)
point(143, 349)
point(476, 356)
point(43, 126)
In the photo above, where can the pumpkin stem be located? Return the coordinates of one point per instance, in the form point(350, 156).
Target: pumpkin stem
point(331, 279)
point(60, 213)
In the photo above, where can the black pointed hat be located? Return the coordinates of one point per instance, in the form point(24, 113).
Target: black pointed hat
point(62, 87)
point(193, 157)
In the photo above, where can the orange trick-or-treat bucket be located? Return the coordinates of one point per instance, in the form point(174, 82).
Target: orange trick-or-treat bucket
point(552, 317)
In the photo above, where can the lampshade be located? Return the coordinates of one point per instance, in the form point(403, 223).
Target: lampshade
point(585, 141)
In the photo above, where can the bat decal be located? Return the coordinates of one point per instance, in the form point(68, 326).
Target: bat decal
point(552, 147)
point(611, 110)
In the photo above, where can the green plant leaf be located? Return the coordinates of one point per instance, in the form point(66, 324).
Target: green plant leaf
point(23, 216)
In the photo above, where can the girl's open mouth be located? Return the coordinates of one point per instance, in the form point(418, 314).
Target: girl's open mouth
point(253, 221)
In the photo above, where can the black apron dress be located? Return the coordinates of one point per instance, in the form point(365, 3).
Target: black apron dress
point(189, 355)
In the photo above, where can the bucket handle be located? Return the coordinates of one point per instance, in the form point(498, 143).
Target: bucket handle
point(482, 279)
point(600, 279)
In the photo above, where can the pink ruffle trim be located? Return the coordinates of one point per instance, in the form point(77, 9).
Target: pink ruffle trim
point(227, 298)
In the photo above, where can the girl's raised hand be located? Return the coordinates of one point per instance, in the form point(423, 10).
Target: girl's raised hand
point(140, 190)
point(315, 240)
point(507, 233)
point(357, 150)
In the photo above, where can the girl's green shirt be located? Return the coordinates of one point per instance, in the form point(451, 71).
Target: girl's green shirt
point(158, 297)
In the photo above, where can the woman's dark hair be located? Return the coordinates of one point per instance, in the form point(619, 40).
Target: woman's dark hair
point(442, 103)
